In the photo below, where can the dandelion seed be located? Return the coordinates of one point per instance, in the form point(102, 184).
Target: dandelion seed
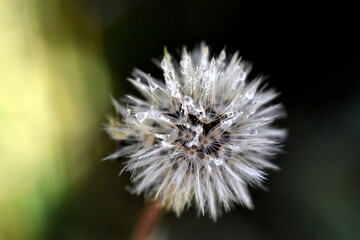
point(207, 135)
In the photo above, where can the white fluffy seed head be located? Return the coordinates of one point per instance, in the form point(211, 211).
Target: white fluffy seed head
point(201, 135)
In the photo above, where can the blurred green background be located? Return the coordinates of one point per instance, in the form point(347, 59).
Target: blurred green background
point(61, 60)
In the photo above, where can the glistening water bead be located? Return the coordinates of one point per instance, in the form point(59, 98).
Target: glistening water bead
point(201, 135)
point(141, 116)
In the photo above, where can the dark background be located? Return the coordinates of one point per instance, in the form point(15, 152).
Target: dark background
point(311, 53)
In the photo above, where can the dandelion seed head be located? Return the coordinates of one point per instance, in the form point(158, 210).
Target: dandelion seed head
point(201, 135)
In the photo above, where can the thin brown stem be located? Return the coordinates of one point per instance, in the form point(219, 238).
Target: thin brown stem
point(147, 220)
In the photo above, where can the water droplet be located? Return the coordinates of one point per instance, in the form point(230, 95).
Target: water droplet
point(163, 64)
point(185, 62)
point(182, 64)
point(235, 148)
point(188, 100)
point(175, 94)
point(226, 123)
point(128, 111)
point(152, 84)
point(198, 108)
point(239, 114)
point(205, 50)
point(204, 56)
point(198, 129)
point(172, 75)
point(162, 136)
point(141, 116)
point(165, 119)
point(240, 78)
point(216, 161)
point(266, 121)
point(222, 55)
point(197, 69)
point(251, 112)
point(230, 114)
point(166, 144)
point(251, 131)
point(241, 75)
point(250, 93)
point(157, 115)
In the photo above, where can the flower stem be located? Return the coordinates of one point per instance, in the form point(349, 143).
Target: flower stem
point(147, 221)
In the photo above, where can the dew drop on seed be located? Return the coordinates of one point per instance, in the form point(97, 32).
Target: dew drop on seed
point(163, 64)
point(153, 86)
point(251, 131)
point(166, 144)
point(198, 129)
point(217, 161)
point(163, 118)
point(235, 147)
point(188, 100)
point(199, 110)
point(255, 101)
point(172, 75)
point(252, 111)
point(212, 63)
point(230, 114)
point(128, 111)
point(162, 136)
point(185, 62)
point(265, 121)
point(205, 51)
point(222, 55)
point(241, 76)
point(226, 123)
point(250, 93)
point(141, 116)
point(175, 94)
